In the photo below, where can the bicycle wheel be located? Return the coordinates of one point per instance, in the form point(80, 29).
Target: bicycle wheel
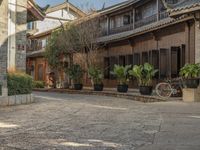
point(164, 90)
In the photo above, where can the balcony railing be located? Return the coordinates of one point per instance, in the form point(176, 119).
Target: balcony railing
point(138, 24)
point(121, 29)
point(146, 21)
point(163, 15)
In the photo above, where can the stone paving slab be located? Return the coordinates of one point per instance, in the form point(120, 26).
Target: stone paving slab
point(79, 122)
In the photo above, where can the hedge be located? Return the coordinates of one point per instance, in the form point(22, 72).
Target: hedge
point(19, 83)
point(38, 84)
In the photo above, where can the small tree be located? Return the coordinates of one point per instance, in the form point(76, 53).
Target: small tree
point(77, 39)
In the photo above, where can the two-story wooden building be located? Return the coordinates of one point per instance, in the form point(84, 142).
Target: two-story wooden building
point(165, 33)
point(39, 32)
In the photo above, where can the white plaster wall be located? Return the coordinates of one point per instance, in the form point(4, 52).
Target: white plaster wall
point(48, 24)
point(11, 33)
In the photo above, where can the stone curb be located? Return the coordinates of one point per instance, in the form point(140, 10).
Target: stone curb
point(134, 97)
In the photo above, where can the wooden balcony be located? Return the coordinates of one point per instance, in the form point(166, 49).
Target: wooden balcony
point(138, 24)
point(146, 21)
point(121, 29)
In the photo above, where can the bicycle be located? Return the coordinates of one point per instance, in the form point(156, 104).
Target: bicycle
point(170, 88)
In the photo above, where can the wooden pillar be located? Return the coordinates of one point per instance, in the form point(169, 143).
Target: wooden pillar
point(133, 18)
point(170, 62)
point(157, 3)
point(187, 41)
point(108, 25)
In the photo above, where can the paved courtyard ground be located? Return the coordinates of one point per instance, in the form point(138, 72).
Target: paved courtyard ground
point(77, 122)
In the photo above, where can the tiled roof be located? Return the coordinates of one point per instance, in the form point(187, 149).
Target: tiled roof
point(65, 5)
point(117, 7)
point(184, 6)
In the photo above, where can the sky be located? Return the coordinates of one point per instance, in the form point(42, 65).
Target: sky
point(83, 4)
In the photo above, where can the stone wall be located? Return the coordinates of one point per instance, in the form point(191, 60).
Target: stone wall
point(3, 45)
point(13, 25)
point(21, 27)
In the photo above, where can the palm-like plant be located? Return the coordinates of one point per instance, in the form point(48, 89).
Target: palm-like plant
point(95, 74)
point(144, 74)
point(190, 71)
point(121, 73)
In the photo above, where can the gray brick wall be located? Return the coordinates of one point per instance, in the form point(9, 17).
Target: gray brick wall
point(20, 36)
point(21, 28)
point(3, 45)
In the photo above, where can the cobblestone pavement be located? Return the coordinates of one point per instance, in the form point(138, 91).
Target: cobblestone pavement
point(77, 122)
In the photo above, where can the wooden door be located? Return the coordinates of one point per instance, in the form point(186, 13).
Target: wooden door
point(40, 72)
point(175, 61)
point(163, 63)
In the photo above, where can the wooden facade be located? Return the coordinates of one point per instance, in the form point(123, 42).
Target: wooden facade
point(135, 32)
point(37, 65)
point(131, 37)
point(167, 49)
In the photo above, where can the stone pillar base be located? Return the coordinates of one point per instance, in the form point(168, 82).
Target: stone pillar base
point(4, 92)
point(191, 95)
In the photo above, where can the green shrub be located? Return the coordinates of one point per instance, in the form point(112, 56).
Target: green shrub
point(121, 73)
point(190, 71)
point(19, 83)
point(144, 74)
point(38, 84)
point(96, 75)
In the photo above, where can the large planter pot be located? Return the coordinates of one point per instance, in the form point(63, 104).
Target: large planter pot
point(122, 88)
point(66, 85)
point(98, 87)
point(78, 86)
point(192, 83)
point(146, 90)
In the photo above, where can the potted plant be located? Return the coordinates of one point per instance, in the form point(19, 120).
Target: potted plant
point(144, 74)
point(190, 73)
point(76, 74)
point(96, 76)
point(121, 74)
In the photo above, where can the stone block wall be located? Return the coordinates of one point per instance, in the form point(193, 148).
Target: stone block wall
point(13, 26)
point(21, 27)
point(3, 45)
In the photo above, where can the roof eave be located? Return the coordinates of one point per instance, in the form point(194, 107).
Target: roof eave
point(36, 12)
point(183, 11)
